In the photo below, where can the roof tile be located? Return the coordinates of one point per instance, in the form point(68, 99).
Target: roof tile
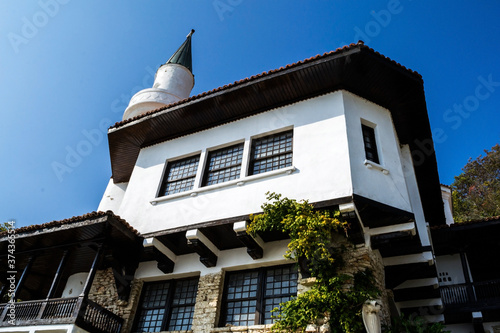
point(73, 219)
point(235, 83)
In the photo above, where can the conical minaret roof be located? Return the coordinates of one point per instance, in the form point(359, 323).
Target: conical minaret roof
point(173, 82)
point(183, 54)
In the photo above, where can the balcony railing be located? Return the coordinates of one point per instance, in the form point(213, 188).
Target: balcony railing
point(474, 295)
point(79, 311)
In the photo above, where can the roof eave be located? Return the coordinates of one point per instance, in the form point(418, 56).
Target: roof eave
point(357, 69)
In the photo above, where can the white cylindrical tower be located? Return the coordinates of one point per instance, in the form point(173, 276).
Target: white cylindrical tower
point(174, 81)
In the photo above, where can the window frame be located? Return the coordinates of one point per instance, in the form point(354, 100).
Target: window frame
point(173, 285)
point(253, 145)
point(260, 298)
point(168, 165)
point(209, 155)
point(368, 133)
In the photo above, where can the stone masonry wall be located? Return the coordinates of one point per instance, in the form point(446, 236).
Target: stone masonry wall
point(104, 293)
point(359, 258)
point(208, 300)
point(210, 288)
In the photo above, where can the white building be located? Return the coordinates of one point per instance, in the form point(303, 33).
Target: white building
point(345, 130)
point(338, 130)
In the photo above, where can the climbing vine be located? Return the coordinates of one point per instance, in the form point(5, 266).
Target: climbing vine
point(335, 298)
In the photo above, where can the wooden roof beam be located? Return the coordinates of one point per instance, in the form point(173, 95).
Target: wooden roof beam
point(203, 246)
point(254, 249)
point(164, 257)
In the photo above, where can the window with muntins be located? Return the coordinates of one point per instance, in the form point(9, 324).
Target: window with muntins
point(251, 295)
point(180, 175)
point(271, 153)
point(370, 143)
point(223, 165)
point(167, 306)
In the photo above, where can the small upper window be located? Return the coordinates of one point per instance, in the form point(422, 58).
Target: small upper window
point(271, 153)
point(180, 175)
point(370, 143)
point(167, 306)
point(223, 165)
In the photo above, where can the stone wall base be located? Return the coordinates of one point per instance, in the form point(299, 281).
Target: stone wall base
point(210, 288)
point(104, 293)
point(243, 329)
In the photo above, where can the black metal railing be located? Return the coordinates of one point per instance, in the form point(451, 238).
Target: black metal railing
point(471, 294)
point(77, 310)
point(457, 294)
point(487, 290)
point(95, 317)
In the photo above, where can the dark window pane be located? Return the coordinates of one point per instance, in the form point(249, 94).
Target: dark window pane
point(153, 305)
point(181, 318)
point(257, 291)
point(180, 175)
point(370, 143)
point(160, 298)
point(272, 152)
point(223, 165)
point(185, 292)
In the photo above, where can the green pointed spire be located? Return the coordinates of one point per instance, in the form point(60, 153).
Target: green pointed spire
point(183, 54)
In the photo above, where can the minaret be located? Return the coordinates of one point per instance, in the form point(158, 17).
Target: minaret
point(173, 82)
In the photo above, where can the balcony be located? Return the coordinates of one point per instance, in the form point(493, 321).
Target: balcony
point(472, 296)
point(79, 311)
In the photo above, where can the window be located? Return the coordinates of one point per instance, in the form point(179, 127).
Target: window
point(250, 296)
point(223, 165)
point(271, 153)
point(370, 143)
point(167, 306)
point(179, 176)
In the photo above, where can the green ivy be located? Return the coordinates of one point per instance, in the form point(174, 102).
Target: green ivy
point(335, 298)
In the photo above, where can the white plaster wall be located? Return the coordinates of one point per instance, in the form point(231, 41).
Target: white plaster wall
point(448, 205)
point(174, 78)
point(452, 265)
point(173, 83)
point(44, 329)
point(414, 195)
point(75, 284)
point(236, 259)
point(320, 155)
point(147, 100)
point(113, 196)
point(372, 183)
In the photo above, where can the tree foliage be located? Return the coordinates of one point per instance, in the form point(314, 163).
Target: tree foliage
point(476, 191)
point(4, 226)
point(335, 298)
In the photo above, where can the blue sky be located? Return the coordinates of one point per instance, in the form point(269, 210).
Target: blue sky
point(69, 67)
